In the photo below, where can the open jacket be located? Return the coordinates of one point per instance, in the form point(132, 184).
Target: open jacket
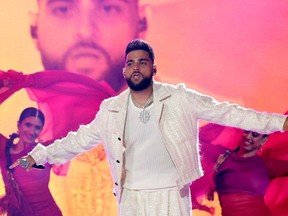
point(177, 111)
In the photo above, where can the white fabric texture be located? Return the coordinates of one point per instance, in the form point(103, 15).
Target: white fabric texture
point(155, 203)
point(148, 165)
point(177, 110)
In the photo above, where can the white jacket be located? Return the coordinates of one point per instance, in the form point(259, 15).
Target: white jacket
point(177, 110)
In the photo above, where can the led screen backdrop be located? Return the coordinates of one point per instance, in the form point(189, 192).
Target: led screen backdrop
point(232, 50)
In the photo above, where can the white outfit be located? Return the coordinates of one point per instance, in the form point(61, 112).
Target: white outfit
point(148, 164)
point(171, 202)
point(177, 110)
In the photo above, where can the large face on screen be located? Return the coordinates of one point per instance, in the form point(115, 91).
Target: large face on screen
point(87, 36)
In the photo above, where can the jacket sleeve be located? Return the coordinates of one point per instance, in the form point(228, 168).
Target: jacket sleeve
point(233, 115)
point(65, 149)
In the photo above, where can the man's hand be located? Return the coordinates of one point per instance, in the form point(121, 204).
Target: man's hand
point(25, 162)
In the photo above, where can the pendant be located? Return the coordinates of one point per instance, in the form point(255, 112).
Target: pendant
point(144, 116)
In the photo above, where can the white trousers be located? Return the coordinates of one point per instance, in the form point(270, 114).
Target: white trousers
point(170, 202)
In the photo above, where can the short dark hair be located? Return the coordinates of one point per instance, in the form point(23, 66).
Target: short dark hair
point(32, 112)
point(139, 44)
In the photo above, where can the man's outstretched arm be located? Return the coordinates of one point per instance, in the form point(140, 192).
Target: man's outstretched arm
point(29, 163)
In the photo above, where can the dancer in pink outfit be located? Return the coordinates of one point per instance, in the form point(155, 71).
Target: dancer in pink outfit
point(27, 193)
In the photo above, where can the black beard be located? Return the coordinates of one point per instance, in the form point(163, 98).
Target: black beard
point(145, 83)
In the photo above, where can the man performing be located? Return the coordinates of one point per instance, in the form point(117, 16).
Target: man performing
point(150, 135)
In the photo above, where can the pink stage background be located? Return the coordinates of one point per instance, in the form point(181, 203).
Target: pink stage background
point(233, 50)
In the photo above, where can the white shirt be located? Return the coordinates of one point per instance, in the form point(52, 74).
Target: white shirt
point(147, 162)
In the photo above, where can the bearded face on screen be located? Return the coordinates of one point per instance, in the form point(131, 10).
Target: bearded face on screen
point(87, 36)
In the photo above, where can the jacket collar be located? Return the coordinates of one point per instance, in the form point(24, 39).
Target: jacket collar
point(159, 90)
